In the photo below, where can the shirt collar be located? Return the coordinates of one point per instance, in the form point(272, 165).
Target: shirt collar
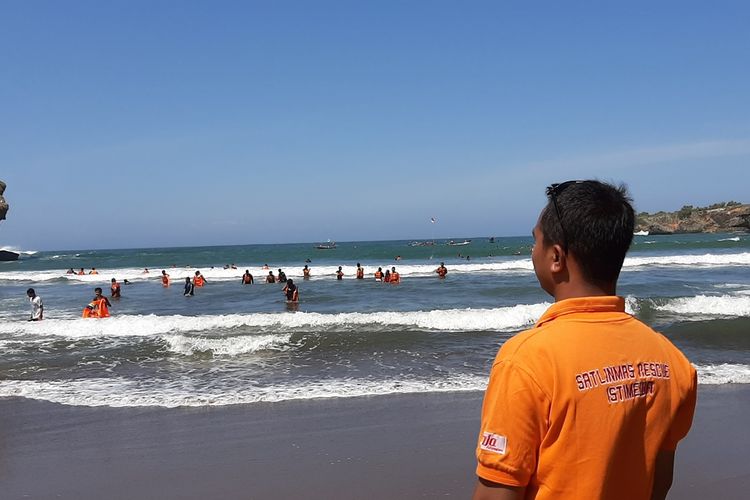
point(607, 303)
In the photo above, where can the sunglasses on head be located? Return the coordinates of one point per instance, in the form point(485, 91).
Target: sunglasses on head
point(552, 192)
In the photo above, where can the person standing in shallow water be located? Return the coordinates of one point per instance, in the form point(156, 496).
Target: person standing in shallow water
point(291, 291)
point(115, 289)
point(586, 362)
point(339, 274)
point(360, 272)
point(37, 307)
point(189, 289)
point(442, 270)
point(306, 272)
point(247, 278)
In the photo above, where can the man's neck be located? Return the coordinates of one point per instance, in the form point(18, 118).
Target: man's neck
point(583, 289)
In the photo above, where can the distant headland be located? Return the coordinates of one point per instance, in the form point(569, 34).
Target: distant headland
point(727, 217)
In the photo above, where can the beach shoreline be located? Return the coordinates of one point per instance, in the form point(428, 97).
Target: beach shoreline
point(398, 446)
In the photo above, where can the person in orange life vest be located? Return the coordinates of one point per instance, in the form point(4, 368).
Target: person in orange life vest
point(360, 272)
point(81, 272)
point(441, 271)
point(379, 274)
point(247, 278)
point(98, 307)
point(270, 278)
point(164, 278)
point(339, 274)
point(115, 288)
point(291, 291)
point(387, 276)
point(93, 271)
point(306, 272)
point(199, 280)
point(590, 403)
point(395, 277)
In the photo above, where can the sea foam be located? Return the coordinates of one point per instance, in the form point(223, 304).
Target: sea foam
point(502, 318)
point(706, 305)
point(121, 392)
point(507, 266)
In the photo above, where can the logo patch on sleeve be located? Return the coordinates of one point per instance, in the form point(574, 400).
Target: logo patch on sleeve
point(493, 442)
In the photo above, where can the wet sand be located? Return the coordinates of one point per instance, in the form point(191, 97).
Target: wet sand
point(409, 446)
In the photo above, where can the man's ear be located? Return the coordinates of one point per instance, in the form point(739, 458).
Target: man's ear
point(559, 263)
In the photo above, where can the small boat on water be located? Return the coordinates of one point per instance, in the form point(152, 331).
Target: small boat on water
point(458, 243)
point(640, 233)
point(330, 245)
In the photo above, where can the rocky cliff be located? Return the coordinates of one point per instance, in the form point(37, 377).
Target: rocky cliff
point(719, 218)
point(3, 204)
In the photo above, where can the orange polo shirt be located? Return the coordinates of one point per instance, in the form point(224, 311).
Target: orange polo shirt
point(579, 406)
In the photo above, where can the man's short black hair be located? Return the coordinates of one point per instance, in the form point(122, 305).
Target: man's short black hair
point(592, 220)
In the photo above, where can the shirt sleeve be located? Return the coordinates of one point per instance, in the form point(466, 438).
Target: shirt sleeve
point(684, 417)
point(514, 422)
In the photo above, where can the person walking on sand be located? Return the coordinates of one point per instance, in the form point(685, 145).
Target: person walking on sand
point(291, 291)
point(37, 308)
point(164, 279)
point(360, 272)
point(339, 274)
point(590, 403)
point(442, 270)
point(247, 278)
point(189, 289)
point(115, 289)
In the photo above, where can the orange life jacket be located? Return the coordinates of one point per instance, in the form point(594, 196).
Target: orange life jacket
point(378, 275)
point(165, 279)
point(115, 289)
point(395, 278)
point(442, 272)
point(96, 309)
point(198, 280)
point(360, 273)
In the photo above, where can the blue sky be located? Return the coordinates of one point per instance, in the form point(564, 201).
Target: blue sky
point(130, 124)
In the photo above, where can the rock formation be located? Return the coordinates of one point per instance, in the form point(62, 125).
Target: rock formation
point(3, 203)
point(719, 218)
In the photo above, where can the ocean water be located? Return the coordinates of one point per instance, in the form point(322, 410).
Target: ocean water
point(233, 343)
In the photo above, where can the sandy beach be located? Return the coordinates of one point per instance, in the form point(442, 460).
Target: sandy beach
point(414, 446)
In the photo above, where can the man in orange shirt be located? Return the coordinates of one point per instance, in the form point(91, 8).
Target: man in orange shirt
point(590, 403)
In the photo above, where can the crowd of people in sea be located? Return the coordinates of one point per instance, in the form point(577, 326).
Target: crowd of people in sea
point(100, 304)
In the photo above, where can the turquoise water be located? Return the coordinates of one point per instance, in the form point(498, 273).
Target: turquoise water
point(232, 343)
